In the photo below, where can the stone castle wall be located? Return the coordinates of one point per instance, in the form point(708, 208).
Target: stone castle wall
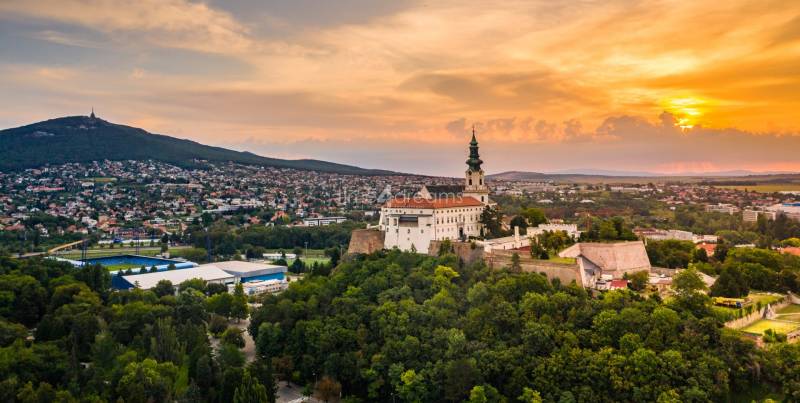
point(755, 316)
point(365, 241)
point(467, 251)
point(565, 272)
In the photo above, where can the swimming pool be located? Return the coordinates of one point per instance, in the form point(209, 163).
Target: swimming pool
point(132, 260)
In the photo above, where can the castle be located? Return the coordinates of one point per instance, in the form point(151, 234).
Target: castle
point(438, 212)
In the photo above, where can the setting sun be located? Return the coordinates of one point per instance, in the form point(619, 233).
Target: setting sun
point(687, 110)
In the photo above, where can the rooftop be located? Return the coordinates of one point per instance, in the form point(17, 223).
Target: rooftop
point(205, 272)
point(244, 269)
point(611, 256)
point(438, 203)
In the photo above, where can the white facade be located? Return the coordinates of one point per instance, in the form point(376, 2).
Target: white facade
point(792, 210)
point(319, 221)
point(722, 208)
point(409, 222)
point(262, 286)
point(412, 223)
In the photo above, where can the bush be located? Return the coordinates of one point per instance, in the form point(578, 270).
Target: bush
point(233, 336)
point(217, 324)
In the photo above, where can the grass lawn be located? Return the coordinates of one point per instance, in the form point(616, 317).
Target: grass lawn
point(764, 298)
point(310, 260)
point(776, 325)
point(564, 260)
point(794, 317)
point(124, 266)
point(790, 309)
point(772, 188)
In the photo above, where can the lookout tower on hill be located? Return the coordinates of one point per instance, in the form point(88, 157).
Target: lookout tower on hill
point(92, 114)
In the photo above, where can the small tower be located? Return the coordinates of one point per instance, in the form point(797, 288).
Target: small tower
point(475, 185)
point(92, 115)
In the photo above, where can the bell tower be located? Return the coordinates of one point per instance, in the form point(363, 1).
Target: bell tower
point(475, 186)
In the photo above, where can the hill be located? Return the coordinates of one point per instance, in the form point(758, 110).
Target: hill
point(85, 139)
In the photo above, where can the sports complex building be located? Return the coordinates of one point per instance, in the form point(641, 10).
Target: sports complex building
point(229, 273)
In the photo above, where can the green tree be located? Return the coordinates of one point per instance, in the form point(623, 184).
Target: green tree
point(163, 288)
point(147, 381)
point(534, 216)
point(233, 336)
point(491, 222)
point(334, 254)
point(688, 282)
point(221, 304)
point(261, 369)
point(239, 307)
point(639, 280)
point(250, 391)
point(164, 343)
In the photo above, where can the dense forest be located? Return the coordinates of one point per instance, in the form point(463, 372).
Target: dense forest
point(389, 326)
point(226, 240)
point(403, 327)
point(65, 337)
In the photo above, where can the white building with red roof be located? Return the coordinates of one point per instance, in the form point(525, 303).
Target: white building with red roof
point(411, 223)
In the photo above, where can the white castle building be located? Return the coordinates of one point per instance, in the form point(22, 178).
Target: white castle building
point(438, 212)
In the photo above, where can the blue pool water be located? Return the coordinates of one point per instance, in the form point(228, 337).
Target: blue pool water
point(145, 261)
point(273, 276)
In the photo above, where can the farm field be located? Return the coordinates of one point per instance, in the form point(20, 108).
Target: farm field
point(771, 188)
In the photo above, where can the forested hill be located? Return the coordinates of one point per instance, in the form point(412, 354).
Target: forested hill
point(85, 139)
point(412, 328)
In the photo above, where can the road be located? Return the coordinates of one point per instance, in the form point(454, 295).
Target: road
point(287, 392)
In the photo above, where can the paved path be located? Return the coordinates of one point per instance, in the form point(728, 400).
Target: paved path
point(289, 393)
point(249, 349)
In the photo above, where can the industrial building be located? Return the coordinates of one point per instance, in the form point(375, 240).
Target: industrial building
point(230, 272)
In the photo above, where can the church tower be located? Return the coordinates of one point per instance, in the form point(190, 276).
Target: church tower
point(475, 185)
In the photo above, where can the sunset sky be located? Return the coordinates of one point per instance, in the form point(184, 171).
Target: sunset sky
point(661, 86)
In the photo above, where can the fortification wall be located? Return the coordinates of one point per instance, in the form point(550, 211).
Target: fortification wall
point(565, 272)
point(756, 315)
point(365, 241)
point(467, 251)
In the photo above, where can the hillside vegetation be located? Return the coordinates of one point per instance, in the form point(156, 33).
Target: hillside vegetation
point(418, 329)
point(84, 139)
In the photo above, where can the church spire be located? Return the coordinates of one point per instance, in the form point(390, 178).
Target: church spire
point(92, 115)
point(474, 162)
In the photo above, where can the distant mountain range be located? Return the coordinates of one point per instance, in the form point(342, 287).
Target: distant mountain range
point(603, 173)
point(608, 172)
point(86, 139)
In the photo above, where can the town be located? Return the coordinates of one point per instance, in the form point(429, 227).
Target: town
point(229, 231)
point(356, 201)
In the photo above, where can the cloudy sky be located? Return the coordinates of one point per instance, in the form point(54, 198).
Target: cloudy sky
point(662, 86)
